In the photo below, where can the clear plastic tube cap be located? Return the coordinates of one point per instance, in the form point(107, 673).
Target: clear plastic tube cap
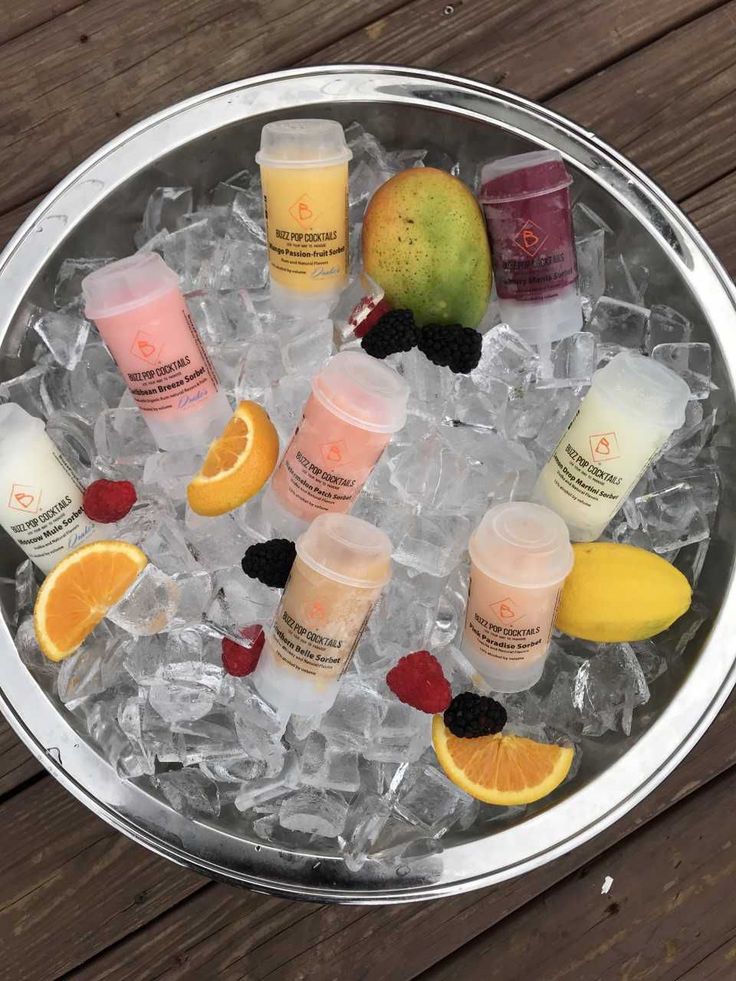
point(346, 549)
point(523, 175)
point(303, 143)
point(646, 387)
point(522, 544)
point(363, 391)
point(126, 284)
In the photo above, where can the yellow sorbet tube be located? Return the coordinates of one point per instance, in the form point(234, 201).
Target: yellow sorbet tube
point(304, 173)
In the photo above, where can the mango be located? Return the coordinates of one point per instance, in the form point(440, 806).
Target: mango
point(619, 593)
point(425, 243)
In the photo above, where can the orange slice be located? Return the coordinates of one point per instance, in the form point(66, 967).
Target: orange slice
point(501, 769)
point(237, 464)
point(79, 591)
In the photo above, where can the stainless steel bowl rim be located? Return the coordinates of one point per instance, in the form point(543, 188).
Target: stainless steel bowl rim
point(564, 825)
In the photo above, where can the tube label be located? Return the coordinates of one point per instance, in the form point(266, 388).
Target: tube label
point(532, 246)
point(508, 623)
point(319, 623)
point(307, 226)
point(163, 360)
point(596, 464)
point(326, 463)
point(42, 510)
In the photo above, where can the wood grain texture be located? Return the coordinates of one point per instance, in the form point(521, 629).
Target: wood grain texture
point(18, 18)
point(17, 765)
point(64, 97)
point(71, 885)
point(714, 212)
point(666, 910)
point(684, 84)
point(221, 929)
point(531, 48)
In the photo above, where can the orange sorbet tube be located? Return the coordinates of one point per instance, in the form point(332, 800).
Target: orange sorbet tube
point(304, 174)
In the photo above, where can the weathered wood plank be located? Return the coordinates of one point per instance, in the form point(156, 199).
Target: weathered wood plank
point(16, 763)
point(11, 221)
point(683, 84)
point(713, 211)
point(18, 18)
point(719, 965)
point(669, 907)
point(332, 943)
point(531, 49)
point(71, 885)
point(63, 97)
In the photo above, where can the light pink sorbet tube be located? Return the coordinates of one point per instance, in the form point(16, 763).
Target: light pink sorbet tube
point(520, 556)
point(356, 404)
point(141, 314)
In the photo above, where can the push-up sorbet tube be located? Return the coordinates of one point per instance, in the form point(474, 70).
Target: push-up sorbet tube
point(526, 199)
point(632, 407)
point(356, 404)
point(144, 321)
point(40, 497)
point(520, 555)
point(342, 565)
point(304, 174)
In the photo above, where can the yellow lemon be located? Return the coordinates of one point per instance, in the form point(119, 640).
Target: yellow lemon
point(620, 593)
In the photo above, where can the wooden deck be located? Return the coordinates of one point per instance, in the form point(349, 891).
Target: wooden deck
point(656, 78)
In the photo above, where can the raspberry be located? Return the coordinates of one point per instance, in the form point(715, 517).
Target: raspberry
point(452, 346)
point(241, 659)
point(367, 314)
point(395, 331)
point(418, 680)
point(270, 562)
point(106, 501)
point(471, 715)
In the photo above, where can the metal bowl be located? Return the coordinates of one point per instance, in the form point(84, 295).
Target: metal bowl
point(95, 211)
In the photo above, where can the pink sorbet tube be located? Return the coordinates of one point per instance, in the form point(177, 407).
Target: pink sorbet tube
point(141, 314)
point(356, 404)
point(520, 556)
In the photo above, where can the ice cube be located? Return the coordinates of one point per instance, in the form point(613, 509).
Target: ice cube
point(429, 800)
point(424, 473)
point(617, 321)
point(666, 326)
point(356, 712)
point(123, 441)
point(164, 211)
point(337, 770)
point(366, 818)
point(189, 792)
point(691, 362)
point(626, 280)
point(239, 602)
point(256, 712)
point(97, 666)
point(402, 735)
point(461, 674)
point(307, 348)
point(260, 791)
point(687, 443)
point(75, 440)
point(590, 252)
point(314, 812)
point(179, 701)
point(261, 366)
point(607, 689)
point(507, 358)
point(691, 559)
point(149, 605)
point(64, 332)
point(450, 609)
point(574, 360)
point(430, 386)
point(560, 416)
point(172, 471)
point(29, 392)
point(433, 543)
point(217, 543)
point(480, 409)
point(676, 514)
point(68, 285)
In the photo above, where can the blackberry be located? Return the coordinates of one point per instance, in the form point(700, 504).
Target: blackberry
point(451, 346)
point(470, 715)
point(270, 562)
point(395, 331)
